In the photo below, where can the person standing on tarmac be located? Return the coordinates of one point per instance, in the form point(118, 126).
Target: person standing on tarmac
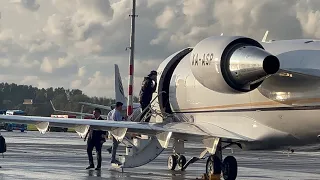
point(115, 115)
point(95, 139)
point(148, 87)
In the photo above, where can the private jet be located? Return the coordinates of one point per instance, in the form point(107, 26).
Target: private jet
point(226, 90)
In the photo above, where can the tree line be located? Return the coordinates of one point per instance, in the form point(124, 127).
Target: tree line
point(12, 97)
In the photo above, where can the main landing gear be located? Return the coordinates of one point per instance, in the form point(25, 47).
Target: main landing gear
point(214, 166)
point(228, 167)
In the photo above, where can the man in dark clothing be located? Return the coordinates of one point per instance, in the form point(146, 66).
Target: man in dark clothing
point(148, 87)
point(95, 139)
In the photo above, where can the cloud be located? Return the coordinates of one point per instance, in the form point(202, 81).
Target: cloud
point(35, 81)
point(46, 66)
point(82, 71)
point(99, 85)
point(75, 43)
point(5, 63)
point(76, 84)
point(30, 5)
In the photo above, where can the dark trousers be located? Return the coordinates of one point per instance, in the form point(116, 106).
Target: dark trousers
point(90, 146)
point(146, 113)
point(114, 149)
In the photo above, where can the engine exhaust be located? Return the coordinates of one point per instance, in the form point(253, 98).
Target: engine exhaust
point(248, 65)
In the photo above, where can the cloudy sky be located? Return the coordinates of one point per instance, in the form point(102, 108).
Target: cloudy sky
point(75, 43)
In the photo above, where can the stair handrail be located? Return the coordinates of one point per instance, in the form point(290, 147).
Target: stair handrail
point(149, 105)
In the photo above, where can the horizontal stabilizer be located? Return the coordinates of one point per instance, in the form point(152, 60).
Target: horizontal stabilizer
point(96, 105)
point(73, 112)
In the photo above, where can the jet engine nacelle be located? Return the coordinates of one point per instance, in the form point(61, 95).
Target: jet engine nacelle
point(231, 64)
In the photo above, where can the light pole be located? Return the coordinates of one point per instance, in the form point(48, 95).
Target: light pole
point(131, 59)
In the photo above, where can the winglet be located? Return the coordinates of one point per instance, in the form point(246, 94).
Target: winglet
point(265, 36)
point(54, 109)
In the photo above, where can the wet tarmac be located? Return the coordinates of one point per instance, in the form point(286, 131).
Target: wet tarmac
point(31, 155)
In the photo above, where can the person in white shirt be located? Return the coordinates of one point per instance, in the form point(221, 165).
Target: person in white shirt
point(115, 115)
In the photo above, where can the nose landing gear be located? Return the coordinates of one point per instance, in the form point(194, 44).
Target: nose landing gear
point(175, 160)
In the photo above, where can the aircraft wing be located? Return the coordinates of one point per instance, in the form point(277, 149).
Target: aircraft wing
point(96, 105)
point(178, 129)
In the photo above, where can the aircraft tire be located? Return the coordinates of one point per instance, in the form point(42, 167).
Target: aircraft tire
point(172, 162)
point(181, 162)
point(213, 166)
point(230, 168)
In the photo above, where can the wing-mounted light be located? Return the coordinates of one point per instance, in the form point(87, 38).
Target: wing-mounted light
point(42, 127)
point(82, 130)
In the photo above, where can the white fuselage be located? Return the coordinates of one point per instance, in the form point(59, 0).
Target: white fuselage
point(283, 110)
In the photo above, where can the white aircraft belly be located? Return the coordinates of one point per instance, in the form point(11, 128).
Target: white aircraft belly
point(236, 123)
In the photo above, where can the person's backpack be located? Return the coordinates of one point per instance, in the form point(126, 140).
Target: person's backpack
point(3, 145)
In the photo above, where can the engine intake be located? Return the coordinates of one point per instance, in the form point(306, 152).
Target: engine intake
point(232, 64)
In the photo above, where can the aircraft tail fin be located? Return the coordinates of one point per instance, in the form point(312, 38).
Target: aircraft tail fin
point(120, 97)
